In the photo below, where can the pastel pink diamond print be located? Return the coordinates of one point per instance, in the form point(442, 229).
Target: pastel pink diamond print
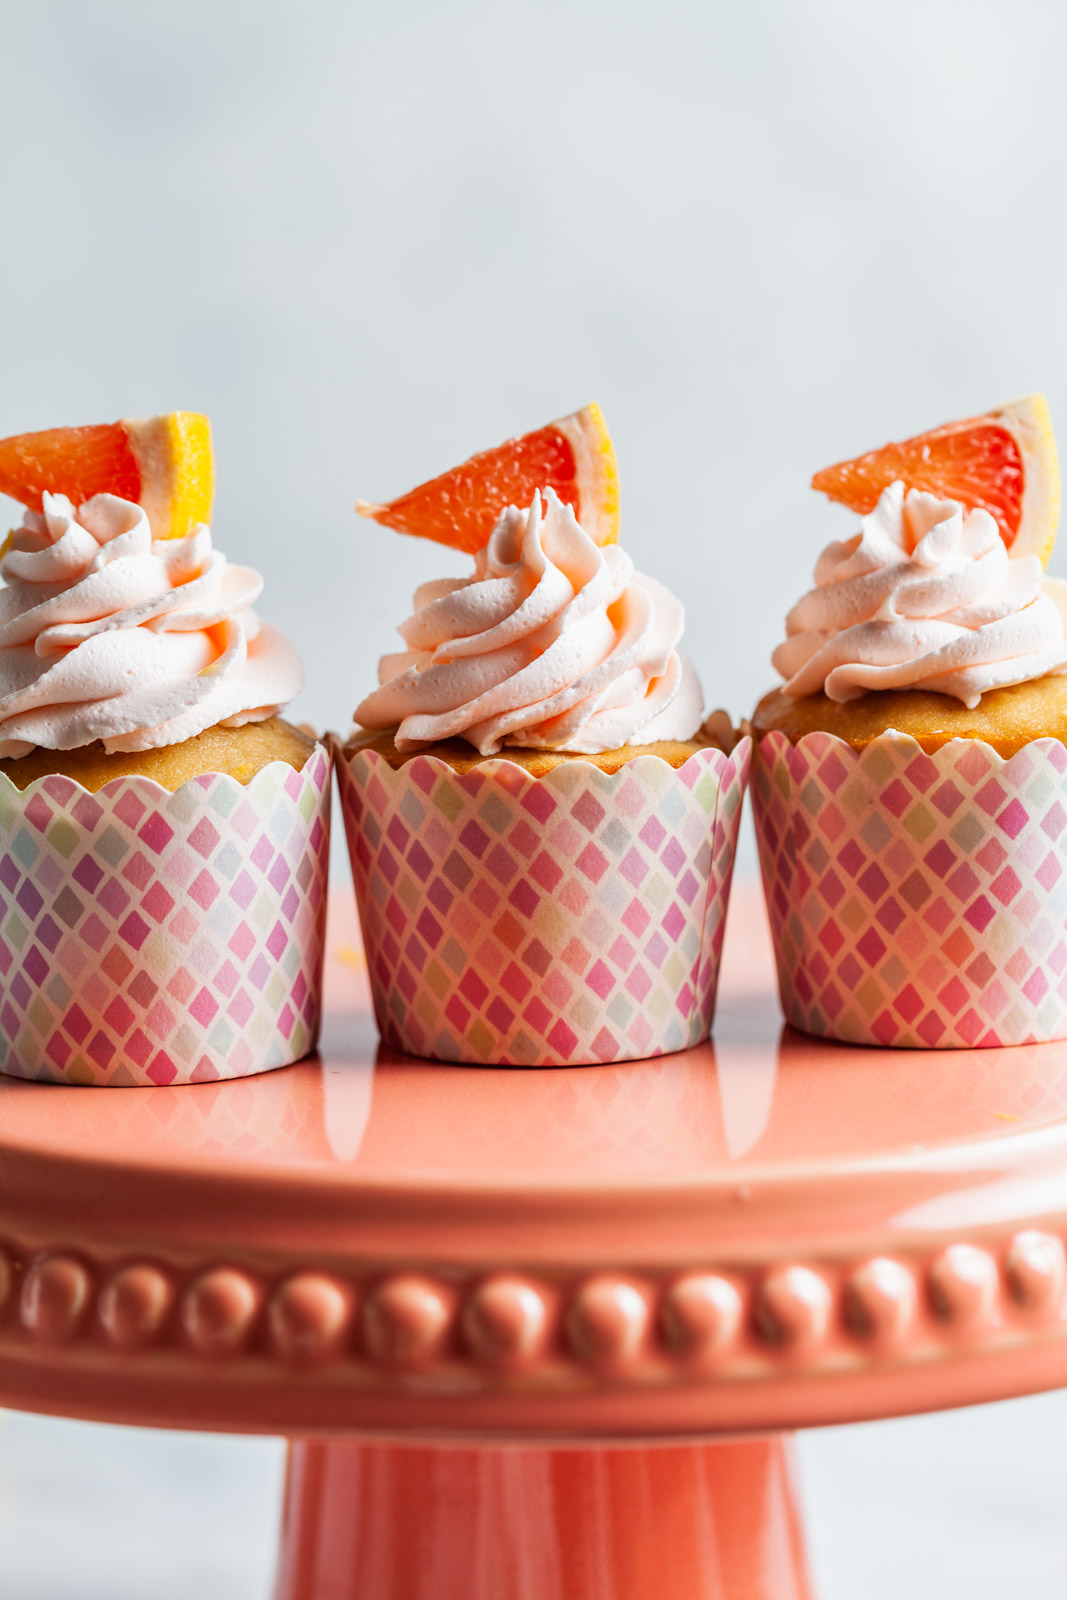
point(569, 919)
point(916, 900)
point(156, 938)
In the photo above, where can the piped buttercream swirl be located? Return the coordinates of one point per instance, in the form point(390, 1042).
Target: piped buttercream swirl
point(925, 596)
point(108, 634)
point(555, 643)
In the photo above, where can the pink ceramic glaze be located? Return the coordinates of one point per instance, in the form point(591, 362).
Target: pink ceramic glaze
point(761, 1233)
point(764, 1232)
point(551, 921)
point(711, 1522)
point(916, 900)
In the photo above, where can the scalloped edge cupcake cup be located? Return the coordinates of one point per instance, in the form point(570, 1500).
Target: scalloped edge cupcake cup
point(916, 900)
point(150, 937)
point(567, 920)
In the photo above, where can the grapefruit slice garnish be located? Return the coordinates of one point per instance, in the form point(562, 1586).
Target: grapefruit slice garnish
point(1004, 462)
point(574, 456)
point(163, 463)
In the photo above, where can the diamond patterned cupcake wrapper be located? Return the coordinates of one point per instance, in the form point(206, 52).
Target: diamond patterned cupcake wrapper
point(534, 922)
point(156, 938)
point(916, 900)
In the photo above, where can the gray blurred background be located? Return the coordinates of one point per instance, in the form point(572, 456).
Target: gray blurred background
point(369, 239)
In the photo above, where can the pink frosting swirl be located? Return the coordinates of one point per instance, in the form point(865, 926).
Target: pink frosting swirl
point(555, 643)
point(108, 634)
point(925, 596)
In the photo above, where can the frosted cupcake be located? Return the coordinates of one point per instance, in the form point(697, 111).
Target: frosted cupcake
point(162, 829)
point(122, 654)
point(541, 826)
point(554, 649)
point(909, 773)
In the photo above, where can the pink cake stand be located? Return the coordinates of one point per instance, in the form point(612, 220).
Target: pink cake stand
point(541, 1335)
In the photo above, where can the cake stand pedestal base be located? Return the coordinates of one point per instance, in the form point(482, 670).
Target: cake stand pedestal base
point(396, 1522)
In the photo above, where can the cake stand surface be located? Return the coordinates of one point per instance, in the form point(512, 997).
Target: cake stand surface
point(538, 1335)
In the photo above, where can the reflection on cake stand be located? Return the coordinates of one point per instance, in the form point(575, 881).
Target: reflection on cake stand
point(541, 1334)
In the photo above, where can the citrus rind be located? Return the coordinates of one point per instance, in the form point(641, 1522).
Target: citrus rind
point(1030, 424)
point(459, 508)
point(1017, 481)
point(596, 472)
point(176, 462)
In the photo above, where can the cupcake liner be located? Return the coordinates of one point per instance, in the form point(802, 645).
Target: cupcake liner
point(522, 921)
point(916, 900)
point(150, 937)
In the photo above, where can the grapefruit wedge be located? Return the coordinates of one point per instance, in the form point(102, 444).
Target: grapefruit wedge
point(1004, 462)
point(573, 456)
point(163, 463)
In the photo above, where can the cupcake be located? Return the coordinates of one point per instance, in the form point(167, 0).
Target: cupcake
point(163, 831)
point(910, 773)
point(541, 825)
